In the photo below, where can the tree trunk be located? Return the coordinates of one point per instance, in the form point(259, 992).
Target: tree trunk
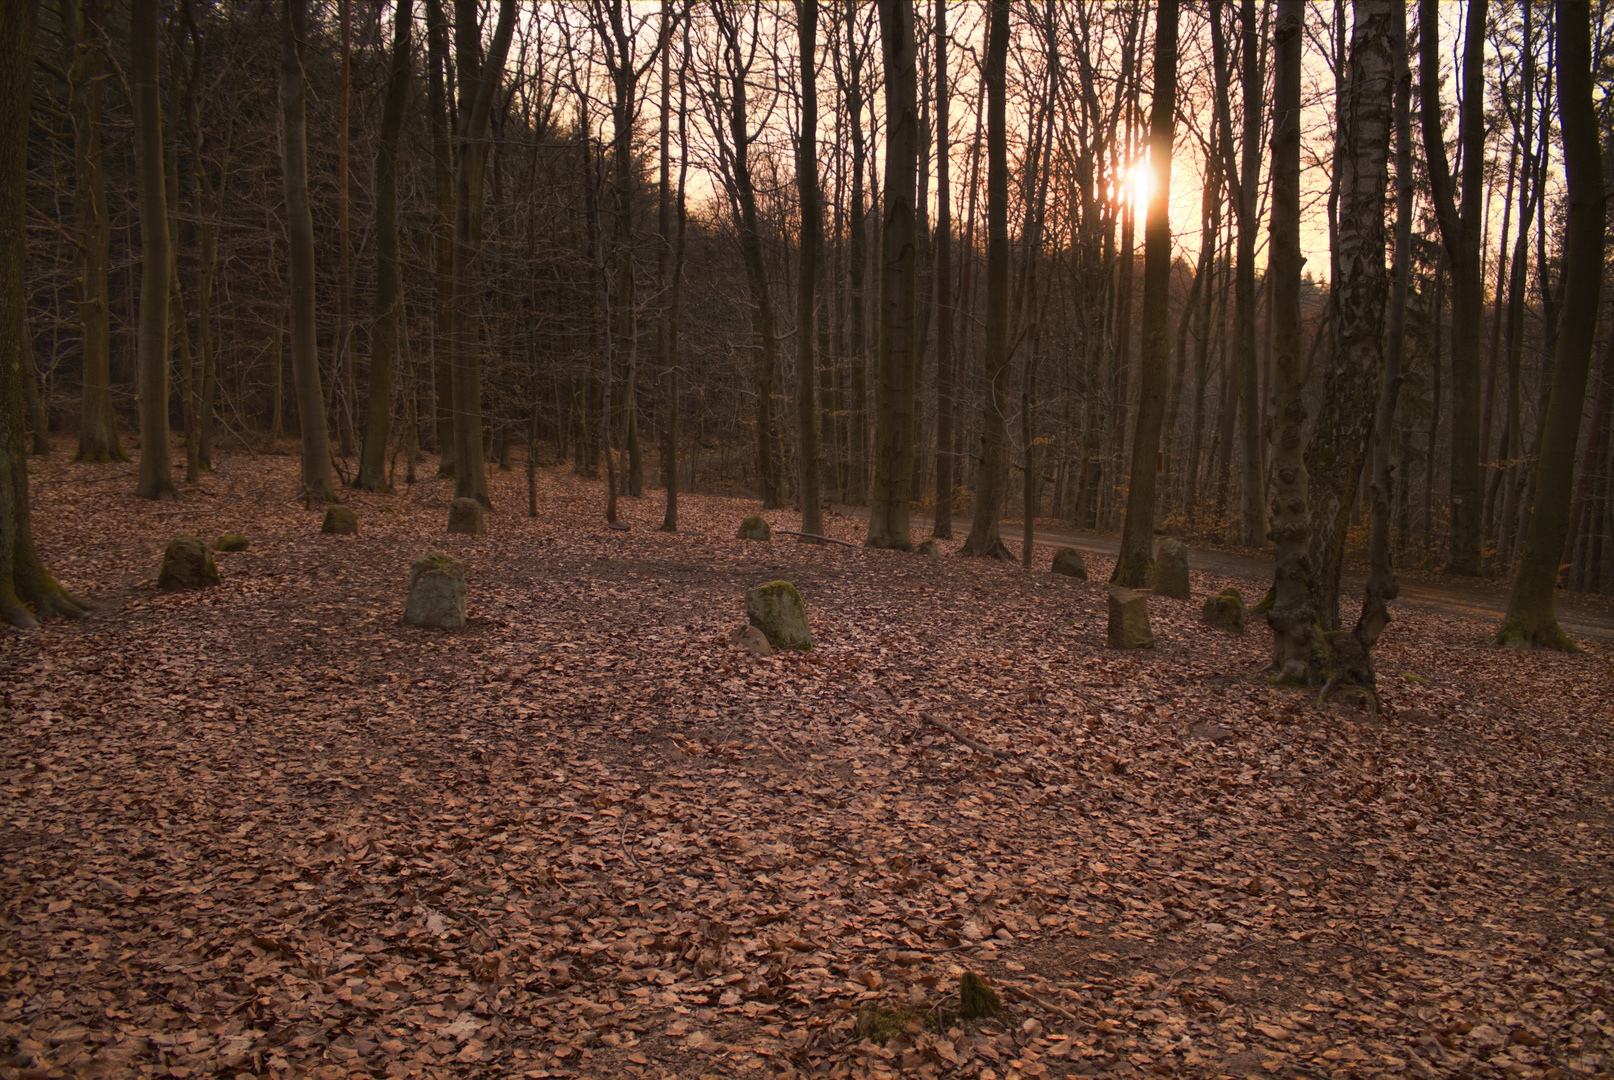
point(23, 578)
point(1461, 233)
point(1251, 485)
point(85, 62)
point(478, 81)
point(1341, 442)
point(443, 231)
point(316, 472)
point(156, 476)
point(1531, 621)
point(372, 473)
point(667, 324)
point(1134, 566)
point(1297, 649)
point(812, 227)
point(943, 527)
point(898, 353)
point(993, 475)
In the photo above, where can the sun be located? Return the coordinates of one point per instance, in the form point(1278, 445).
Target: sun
point(1137, 183)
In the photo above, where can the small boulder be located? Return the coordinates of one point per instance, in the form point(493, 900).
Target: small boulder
point(466, 516)
point(1171, 570)
point(751, 639)
point(187, 564)
point(776, 609)
point(230, 542)
point(930, 548)
point(754, 528)
point(436, 592)
point(340, 521)
point(1129, 619)
point(1068, 562)
point(1225, 611)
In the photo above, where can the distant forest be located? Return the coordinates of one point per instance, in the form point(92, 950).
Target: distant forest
point(891, 254)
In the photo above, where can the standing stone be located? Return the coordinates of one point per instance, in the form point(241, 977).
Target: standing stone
point(340, 521)
point(930, 548)
point(465, 516)
point(436, 592)
point(1225, 611)
point(1129, 619)
point(1171, 570)
point(776, 609)
point(1069, 563)
point(230, 542)
point(754, 527)
point(187, 564)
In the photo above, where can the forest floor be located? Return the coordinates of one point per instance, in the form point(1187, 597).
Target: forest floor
point(267, 829)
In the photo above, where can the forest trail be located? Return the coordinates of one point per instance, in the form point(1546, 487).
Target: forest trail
point(1580, 615)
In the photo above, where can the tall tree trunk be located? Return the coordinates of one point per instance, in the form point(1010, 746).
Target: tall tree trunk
point(992, 477)
point(85, 61)
point(437, 115)
point(1460, 231)
point(667, 323)
point(898, 354)
point(156, 476)
point(209, 203)
point(23, 578)
point(479, 80)
point(372, 473)
point(1297, 648)
point(316, 471)
point(1341, 441)
point(1382, 586)
point(1134, 566)
point(942, 293)
point(1252, 482)
point(343, 374)
point(812, 228)
point(1531, 621)
point(856, 356)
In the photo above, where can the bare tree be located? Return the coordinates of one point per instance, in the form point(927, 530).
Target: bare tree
point(156, 473)
point(812, 228)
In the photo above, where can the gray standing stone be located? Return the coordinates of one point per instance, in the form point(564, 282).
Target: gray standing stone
point(1171, 570)
point(754, 527)
point(930, 549)
point(436, 592)
point(1068, 562)
point(776, 609)
point(751, 639)
point(1225, 611)
point(1129, 619)
point(465, 516)
point(187, 564)
point(340, 521)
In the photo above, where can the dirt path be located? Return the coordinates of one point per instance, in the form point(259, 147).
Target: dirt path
point(1579, 614)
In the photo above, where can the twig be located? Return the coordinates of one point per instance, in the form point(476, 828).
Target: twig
point(815, 536)
point(1059, 1010)
point(622, 840)
point(774, 746)
point(1002, 755)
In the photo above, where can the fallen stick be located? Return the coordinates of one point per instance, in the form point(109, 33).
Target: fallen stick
point(815, 536)
point(1002, 755)
point(1022, 992)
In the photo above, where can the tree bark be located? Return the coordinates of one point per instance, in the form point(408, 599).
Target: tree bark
point(1251, 485)
point(156, 475)
point(992, 478)
point(1297, 648)
point(85, 62)
point(478, 80)
point(943, 526)
point(437, 61)
point(1531, 621)
point(23, 577)
point(1341, 442)
point(1134, 566)
point(316, 471)
point(372, 473)
point(898, 359)
point(1460, 231)
point(812, 228)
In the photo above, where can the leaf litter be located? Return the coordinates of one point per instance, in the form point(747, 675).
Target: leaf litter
point(267, 829)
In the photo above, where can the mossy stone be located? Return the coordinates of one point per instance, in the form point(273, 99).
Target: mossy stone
point(777, 610)
point(340, 521)
point(187, 564)
point(436, 592)
point(230, 542)
point(754, 527)
point(1068, 562)
point(1129, 619)
point(1171, 570)
point(930, 548)
point(466, 516)
point(976, 998)
point(1225, 611)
